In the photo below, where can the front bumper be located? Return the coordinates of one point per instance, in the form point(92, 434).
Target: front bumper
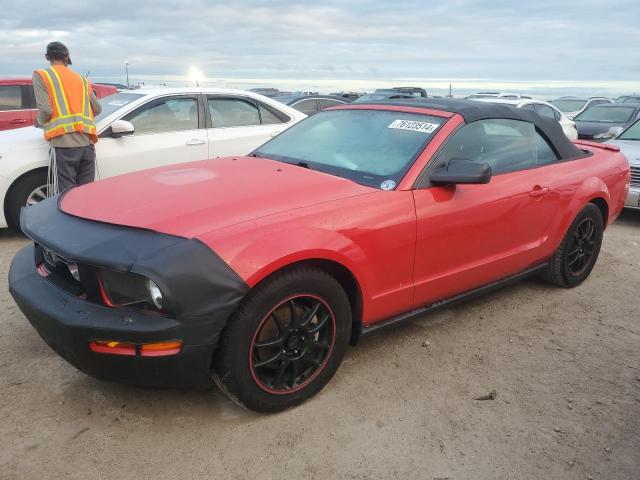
point(633, 199)
point(201, 290)
point(67, 324)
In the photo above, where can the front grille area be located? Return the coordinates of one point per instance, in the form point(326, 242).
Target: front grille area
point(55, 268)
point(635, 176)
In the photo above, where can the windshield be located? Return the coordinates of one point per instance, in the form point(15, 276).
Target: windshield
point(569, 105)
point(370, 147)
point(631, 100)
point(606, 114)
point(114, 102)
point(631, 133)
point(482, 95)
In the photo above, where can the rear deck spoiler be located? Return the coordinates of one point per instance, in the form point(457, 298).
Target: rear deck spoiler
point(604, 146)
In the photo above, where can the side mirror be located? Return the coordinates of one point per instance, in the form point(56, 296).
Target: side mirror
point(461, 171)
point(120, 128)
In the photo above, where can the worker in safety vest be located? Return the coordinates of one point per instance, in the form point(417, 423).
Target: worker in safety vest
point(66, 108)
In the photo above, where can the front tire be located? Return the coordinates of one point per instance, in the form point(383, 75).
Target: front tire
point(28, 190)
point(285, 342)
point(575, 258)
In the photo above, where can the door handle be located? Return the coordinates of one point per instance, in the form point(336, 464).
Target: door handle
point(539, 191)
point(18, 121)
point(196, 141)
point(275, 134)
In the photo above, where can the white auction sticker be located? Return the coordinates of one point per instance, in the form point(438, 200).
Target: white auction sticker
point(414, 126)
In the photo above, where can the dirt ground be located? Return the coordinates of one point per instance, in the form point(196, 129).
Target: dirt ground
point(565, 365)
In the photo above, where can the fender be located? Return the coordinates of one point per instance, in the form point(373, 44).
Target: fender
point(261, 256)
point(590, 189)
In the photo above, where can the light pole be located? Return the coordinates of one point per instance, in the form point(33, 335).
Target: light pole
point(126, 69)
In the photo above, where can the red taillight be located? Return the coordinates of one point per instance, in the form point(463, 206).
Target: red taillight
point(112, 347)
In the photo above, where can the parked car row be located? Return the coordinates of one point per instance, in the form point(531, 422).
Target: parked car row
point(18, 102)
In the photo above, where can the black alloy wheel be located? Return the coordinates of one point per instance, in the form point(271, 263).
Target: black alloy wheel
point(582, 247)
point(285, 341)
point(292, 344)
point(578, 252)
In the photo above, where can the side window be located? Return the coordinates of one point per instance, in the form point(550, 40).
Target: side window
point(326, 103)
point(29, 97)
point(545, 111)
point(10, 97)
point(308, 107)
point(544, 153)
point(169, 115)
point(506, 145)
point(268, 117)
point(233, 112)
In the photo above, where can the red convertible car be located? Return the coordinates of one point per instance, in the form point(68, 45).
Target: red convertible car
point(258, 271)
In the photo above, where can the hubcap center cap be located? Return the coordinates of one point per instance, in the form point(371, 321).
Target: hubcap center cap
point(294, 342)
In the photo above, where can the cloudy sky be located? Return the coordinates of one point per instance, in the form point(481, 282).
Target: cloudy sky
point(360, 42)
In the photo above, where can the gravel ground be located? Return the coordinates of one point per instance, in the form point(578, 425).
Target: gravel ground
point(565, 365)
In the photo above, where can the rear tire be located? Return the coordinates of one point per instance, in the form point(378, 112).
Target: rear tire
point(575, 258)
point(285, 342)
point(21, 191)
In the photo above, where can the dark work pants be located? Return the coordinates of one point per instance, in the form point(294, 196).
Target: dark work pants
point(75, 166)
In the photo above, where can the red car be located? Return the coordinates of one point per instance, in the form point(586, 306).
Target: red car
point(258, 271)
point(18, 103)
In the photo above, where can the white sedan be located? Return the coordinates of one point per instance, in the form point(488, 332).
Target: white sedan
point(544, 109)
point(143, 129)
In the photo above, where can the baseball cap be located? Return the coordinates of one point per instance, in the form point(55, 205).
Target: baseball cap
point(58, 51)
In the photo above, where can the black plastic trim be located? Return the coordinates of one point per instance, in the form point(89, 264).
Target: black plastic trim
point(452, 300)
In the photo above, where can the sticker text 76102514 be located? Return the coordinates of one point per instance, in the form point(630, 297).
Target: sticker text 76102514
point(424, 127)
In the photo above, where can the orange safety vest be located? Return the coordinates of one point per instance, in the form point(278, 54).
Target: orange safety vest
point(70, 96)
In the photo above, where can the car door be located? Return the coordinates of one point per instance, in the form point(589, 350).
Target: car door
point(29, 103)
point(168, 130)
point(472, 235)
point(238, 125)
point(13, 113)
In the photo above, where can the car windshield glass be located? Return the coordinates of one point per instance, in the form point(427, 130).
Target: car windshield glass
point(631, 100)
point(370, 147)
point(631, 133)
point(114, 102)
point(569, 105)
point(606, 114)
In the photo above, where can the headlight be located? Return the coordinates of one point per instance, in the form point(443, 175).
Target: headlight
point(130, 289)
point(156, 294)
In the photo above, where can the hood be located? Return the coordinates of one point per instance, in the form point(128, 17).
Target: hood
point(589, 129)
point(630, 149)
point(191, 199)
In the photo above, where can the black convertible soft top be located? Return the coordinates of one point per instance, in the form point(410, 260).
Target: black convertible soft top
point(473, 111)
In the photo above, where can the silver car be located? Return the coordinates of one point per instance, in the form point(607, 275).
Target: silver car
point(629, 143)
